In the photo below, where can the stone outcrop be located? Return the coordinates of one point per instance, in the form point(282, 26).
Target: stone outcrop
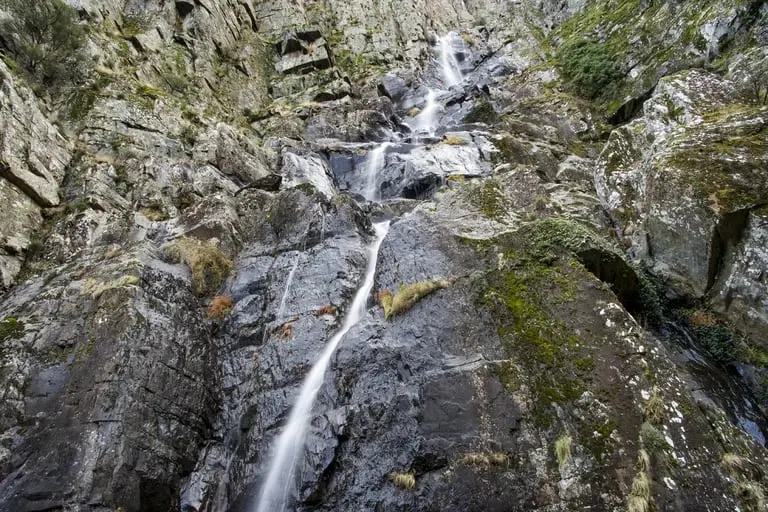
point(33, 160)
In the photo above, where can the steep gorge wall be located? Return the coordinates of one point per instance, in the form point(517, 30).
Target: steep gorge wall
point(205, 125)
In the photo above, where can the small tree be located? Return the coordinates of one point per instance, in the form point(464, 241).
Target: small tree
point(45, 40)
point(756, 81)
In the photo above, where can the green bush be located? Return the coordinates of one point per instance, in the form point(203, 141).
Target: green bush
point(45, 40)
point(590, 68)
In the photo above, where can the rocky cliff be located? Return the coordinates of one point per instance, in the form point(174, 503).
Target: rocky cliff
point(569, 311)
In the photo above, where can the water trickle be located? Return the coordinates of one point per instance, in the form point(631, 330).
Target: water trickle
point(288, 283)
point(280, 480)
point(373, 166)
point(448, 63)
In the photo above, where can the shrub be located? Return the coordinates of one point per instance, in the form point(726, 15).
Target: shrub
point(220, 307)
point(403, 480)
point(590, 68)
point(718, 341)
point(45, 40)
point(653, 440)
point(563, 449)
point(208, 264)
point(407, 296)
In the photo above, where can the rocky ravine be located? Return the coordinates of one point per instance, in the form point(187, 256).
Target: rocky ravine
point(574, 282)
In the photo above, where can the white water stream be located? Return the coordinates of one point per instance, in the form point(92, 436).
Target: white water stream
point(288, 283)
point(279, 487)
point(373, 166)
point(448, 63)
point(280, 480)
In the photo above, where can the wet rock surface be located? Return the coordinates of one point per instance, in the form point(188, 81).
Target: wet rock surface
point(566, 313)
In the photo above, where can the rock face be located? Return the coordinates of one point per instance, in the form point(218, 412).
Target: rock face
point(568, 312)
point(33, 160)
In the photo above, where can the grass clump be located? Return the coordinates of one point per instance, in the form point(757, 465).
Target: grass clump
point(207, 262)
point(408, 296)
point(454, 140)
point(220, 307)
point(590, 68)
point(640, 495)
point(404, 481)
point(563, 449)
point(45, 41)
point(484, 459)
point(655, 412)
point(326, 310)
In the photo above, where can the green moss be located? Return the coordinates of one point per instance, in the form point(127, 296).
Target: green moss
point(482, 112)
point(721, 161)
point(596, 438)
point(83, 98)
point(308, 189)
point(489, 199)
point(511, 151)
point(11, 328)
point(509, 376)
point(541, 344)
point(135, 25)
point(149, 92)
point(756, 356)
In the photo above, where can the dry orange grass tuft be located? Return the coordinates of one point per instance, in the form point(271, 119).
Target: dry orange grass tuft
point(703, 319)
point(326, 310)
point(220, 307)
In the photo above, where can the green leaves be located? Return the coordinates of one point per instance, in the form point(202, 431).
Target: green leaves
point(590, 68)
point(45, 40)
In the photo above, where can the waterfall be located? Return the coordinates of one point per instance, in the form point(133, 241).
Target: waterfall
point(280, 479)
point(373, 165)
point(448, 63)
point(426, 121)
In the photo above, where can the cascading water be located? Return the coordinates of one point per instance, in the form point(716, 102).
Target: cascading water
point(372, 168)
point(426, 121)
point(279, 486)
point(280, 479)
point(448, 63)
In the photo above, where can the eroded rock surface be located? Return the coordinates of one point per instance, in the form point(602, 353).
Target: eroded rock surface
point(569, 309)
